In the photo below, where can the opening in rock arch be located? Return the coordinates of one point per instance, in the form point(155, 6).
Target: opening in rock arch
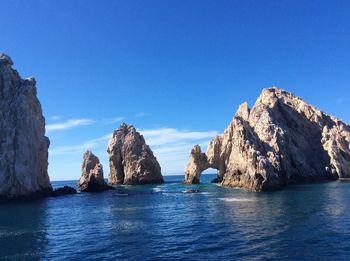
point(214, 173)
point(199, 163)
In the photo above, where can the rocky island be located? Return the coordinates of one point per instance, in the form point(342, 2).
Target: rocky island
point(282, 140)
point(23, 144)
point(131, 160)
point(92, 179)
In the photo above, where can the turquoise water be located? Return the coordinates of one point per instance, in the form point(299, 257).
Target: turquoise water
point(306, 222)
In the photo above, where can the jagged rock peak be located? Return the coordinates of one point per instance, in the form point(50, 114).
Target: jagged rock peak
point(5, 59)
point(282, 140)
point(243, 111)
point(92, 179)
point(23, 144)
point(131, 160)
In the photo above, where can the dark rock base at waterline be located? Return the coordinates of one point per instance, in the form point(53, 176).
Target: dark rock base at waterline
point(39, 195)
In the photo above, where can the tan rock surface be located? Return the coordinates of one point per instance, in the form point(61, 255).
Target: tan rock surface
point(92, 179)
point(282, 140)
point(131, 160)
point(23, 144)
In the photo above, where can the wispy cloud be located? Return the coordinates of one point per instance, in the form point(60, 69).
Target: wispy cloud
point(170, 146)
point(80, 148)
point(164, 136)
point(68, 124)
point(55, 118)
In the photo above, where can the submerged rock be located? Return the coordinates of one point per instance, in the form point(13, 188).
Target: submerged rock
point(92, 179)
point(131, 160)
point(282, 140)
point(23, 144)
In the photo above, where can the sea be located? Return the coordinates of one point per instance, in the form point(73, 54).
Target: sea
point(177, 222)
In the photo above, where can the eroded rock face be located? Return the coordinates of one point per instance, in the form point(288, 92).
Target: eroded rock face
point(92, 179)
point(282, 140)
point(131, 160)
point(23, 145)
point(198, 162)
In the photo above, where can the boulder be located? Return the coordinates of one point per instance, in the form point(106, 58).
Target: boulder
point(131, 160)
point(282, 140)
point(23, 144)
point(66, 190)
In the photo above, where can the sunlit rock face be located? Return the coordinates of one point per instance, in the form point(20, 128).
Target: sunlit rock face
point(282, 140)
point(92, 179)
point(23, 144)
point(198, 162)
point(131, 160)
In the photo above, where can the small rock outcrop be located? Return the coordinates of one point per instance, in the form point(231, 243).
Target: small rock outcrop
point(282, 140)
point(131, 160)
point(23, 144)
point(92, 179)
point(66, 190)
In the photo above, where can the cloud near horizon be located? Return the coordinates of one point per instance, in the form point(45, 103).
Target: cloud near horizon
point(170, 146)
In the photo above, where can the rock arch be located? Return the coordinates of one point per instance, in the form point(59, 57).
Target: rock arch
point(199, 162)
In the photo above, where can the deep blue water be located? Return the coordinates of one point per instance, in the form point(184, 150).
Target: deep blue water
point(306, 222)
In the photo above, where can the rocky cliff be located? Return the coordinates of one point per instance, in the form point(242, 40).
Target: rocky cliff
point(92, 179)
point(282, 140)
point(23, 145)
point(131, 160)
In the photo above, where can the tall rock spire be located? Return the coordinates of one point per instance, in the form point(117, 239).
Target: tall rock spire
point(23, 144)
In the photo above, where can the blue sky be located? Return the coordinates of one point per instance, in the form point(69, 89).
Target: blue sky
point(175, 69)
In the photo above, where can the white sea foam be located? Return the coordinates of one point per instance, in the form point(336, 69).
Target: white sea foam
point(237, 200)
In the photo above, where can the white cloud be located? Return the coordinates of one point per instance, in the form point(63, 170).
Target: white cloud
point(164, 136)
point(55, 118)
point(68, 124)
point(80, 148)
point(170, 146)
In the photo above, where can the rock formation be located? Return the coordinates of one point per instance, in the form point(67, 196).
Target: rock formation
point(23, 145)
point(131, 160)
point(198, 162)
point(282, 140)
point(66, 190)
point(92, 179)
